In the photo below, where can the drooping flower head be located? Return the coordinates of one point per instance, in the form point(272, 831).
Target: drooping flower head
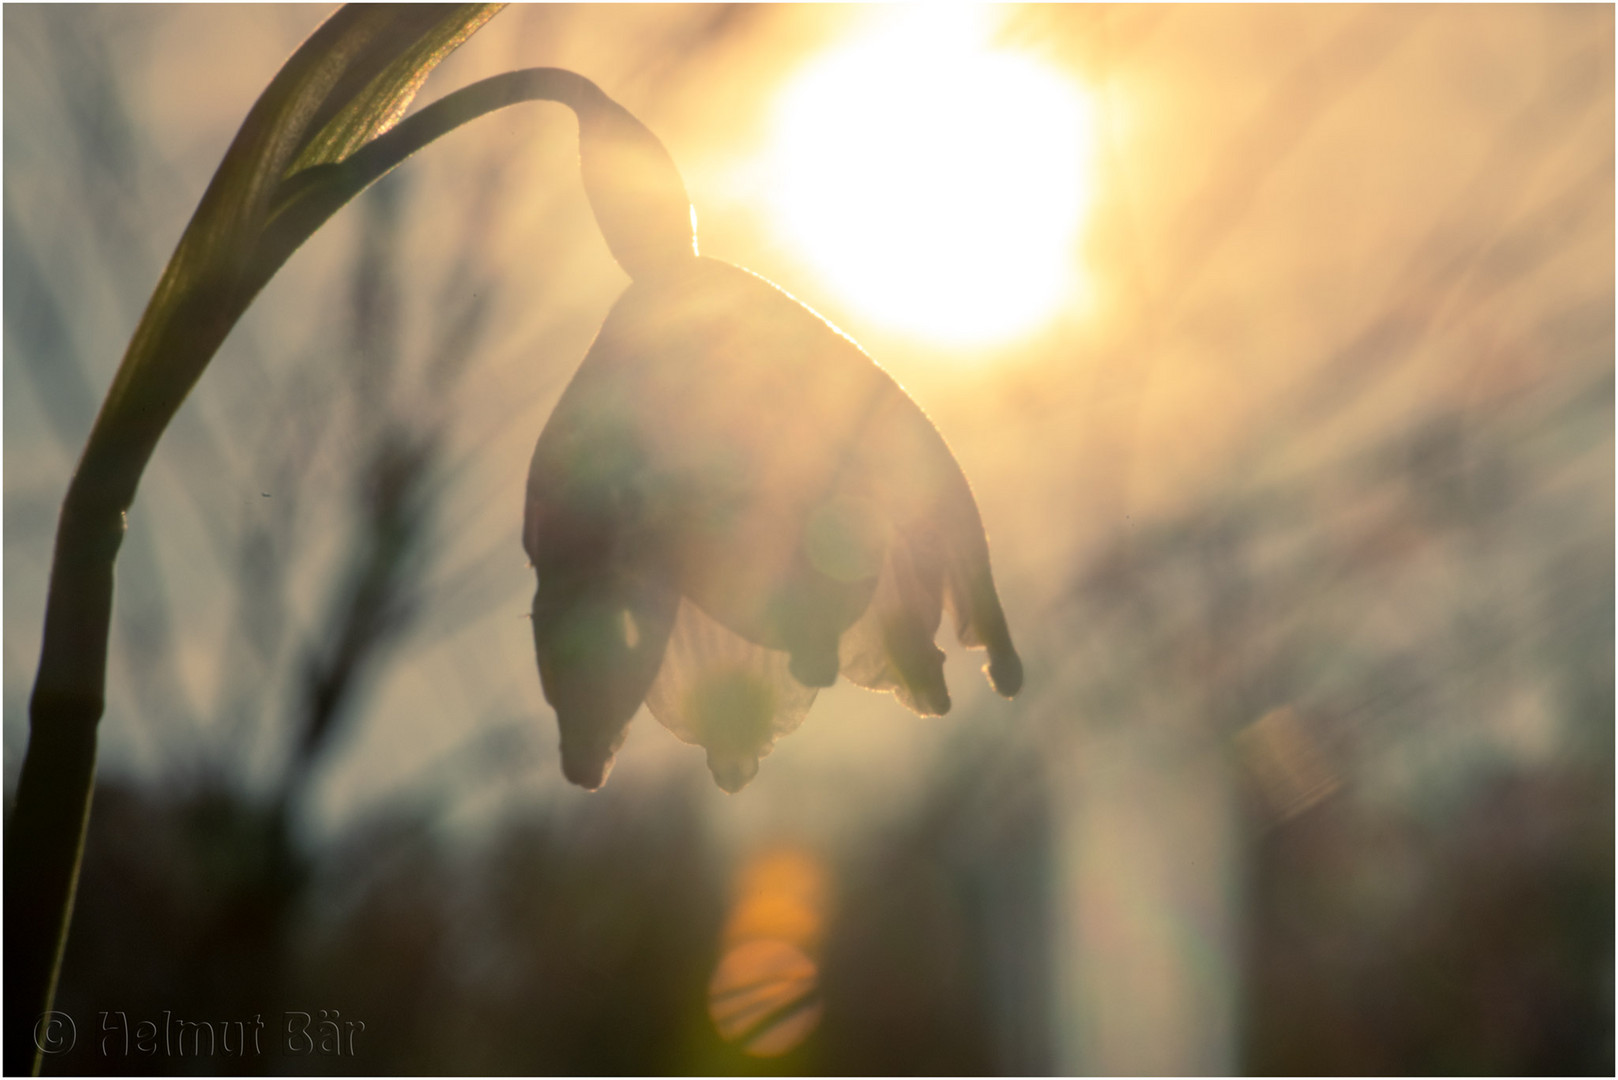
point(732, 504)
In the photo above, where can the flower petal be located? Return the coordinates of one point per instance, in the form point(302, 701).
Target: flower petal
point(745, 406)
point(891, 647)
point(599, 639)
point(725, 694)
point(904, 460)
point(765, 505)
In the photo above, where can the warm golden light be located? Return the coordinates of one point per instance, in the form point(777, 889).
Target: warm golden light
point(938, 184)
point(765, 992)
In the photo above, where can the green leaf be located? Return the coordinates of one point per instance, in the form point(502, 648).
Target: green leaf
point(352, 80)
point(374, 110)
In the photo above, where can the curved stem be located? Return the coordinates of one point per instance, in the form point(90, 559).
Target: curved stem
point(311, 197)
point(45, 836)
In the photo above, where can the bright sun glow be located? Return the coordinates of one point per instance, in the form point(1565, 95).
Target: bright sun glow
point(936, 183)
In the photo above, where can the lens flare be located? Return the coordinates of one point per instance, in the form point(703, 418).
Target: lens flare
point(765, 992)
point(937, 184)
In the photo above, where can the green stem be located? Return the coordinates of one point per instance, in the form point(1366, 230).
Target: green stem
point(311, 197)
point(45, 836)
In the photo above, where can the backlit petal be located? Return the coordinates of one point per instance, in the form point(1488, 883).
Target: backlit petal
point(725, 694)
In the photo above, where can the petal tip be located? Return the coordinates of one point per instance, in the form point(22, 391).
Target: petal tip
point(1005, 674)
point(925, 700)
point(587, 770)
point(732, 774)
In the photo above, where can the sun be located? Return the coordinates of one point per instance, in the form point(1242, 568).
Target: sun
point(937, 184)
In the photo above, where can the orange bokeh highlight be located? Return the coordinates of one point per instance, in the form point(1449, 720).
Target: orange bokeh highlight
point(764, 993)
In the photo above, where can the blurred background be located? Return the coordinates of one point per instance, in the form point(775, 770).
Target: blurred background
point(1278, 345)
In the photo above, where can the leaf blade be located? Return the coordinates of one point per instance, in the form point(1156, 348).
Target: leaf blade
point(382, 103)
point(355, 74)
